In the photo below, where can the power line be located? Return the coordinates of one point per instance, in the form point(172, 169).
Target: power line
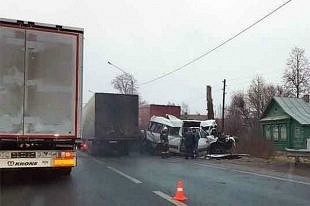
point(117, 67)
point(123, 71)
point(215, 48)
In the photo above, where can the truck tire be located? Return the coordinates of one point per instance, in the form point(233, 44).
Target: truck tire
point(123, 149)
point(146, 147)
point(126, 149)
point(65, 171)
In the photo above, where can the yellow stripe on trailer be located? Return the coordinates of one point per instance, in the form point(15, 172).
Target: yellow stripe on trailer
point(60, 162)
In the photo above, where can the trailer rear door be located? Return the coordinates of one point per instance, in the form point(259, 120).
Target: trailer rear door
point(12, 65)
point(38, 82)
point(50, 83)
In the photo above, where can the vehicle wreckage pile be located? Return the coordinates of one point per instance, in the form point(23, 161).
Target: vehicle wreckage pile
point(210, 140)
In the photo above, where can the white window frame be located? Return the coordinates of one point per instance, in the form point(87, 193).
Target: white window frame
point(275, 128)
point(283, 127)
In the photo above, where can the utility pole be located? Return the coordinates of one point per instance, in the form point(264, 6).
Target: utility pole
point(223, 108)
point(210, 103)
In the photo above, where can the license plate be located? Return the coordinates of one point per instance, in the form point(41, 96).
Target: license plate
point(25, 162)
point(23, 155)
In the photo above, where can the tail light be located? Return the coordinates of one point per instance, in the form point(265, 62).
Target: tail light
point(65, 159)
point(83, 146)
point(66, 154)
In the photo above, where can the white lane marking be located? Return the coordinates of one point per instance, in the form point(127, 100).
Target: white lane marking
point(211, 165)
point(256, 174)
point(273, 177)
point(168, 198)
point(98, 161)
point(124, 175)
point(117, 171)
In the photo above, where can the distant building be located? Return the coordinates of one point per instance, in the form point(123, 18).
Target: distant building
point(286, 122)
point(200, 117)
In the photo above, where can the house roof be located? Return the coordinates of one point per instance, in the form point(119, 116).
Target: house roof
point(298, 109)
point(274, 118)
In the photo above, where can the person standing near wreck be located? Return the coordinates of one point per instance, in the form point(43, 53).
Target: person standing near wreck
point(196, 138)
point(164, 152)
point(188, 142)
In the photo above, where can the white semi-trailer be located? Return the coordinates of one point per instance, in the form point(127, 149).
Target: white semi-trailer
point(40, 94)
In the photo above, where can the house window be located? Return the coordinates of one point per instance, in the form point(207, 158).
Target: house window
point(275, 133)
point(267, 132)
point(283, 132)
point(297, 132)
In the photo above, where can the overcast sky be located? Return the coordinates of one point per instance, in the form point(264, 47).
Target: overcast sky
point(148, 38)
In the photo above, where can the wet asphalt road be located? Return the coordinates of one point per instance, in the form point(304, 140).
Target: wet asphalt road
point(133, 180)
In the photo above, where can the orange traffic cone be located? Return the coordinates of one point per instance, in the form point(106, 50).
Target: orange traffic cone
point(179, 194)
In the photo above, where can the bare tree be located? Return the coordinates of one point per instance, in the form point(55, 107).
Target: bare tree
point(244, 111)
point(256, 97)
point(142, 102)
point(125, 84)
point(171, 103)
point(297, 74)
point(271, 91)
point(184, 108)
point(237, 114)
point(260, 94)
point(238, 105)
point(275, 90)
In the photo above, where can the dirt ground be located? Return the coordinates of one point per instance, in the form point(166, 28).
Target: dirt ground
point(277, 164)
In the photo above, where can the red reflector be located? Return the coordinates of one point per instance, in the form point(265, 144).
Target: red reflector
point(84, 146)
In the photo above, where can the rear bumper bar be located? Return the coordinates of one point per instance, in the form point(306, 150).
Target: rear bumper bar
point(35, 159)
